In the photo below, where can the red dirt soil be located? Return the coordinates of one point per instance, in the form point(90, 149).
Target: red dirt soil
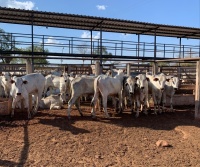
point(50, 139)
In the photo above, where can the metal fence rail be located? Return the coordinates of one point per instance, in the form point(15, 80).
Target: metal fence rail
point(75, 45)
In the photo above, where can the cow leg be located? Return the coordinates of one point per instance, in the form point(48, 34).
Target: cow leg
point(145, 109)
point(93, 103)
point(171, 105)
point(132, 104)
point(163, 102)
point(159, 101)
point(35, 109)
point(120, 103)
point(138, 108)
point(155, 103)
point(13, 108)
point(26, 105)
point(15, 103)
point(77, 104)
point(70, 103)
point(105, 99)
point(145, 104)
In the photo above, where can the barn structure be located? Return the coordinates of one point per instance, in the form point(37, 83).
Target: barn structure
point(80, 22)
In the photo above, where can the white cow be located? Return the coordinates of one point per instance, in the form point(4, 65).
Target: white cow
point(25, 85)
point(156, 86)
point(52, 102)
point(57, 82)
point(108, 86)
point(80, 86)
point(128, 91)
point(171, 85)
point(141, 93)
point(5, 82)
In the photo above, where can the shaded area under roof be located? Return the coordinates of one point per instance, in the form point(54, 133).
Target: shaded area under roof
point(81, 22)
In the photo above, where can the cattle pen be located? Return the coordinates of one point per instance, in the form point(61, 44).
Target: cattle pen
point(50, 138)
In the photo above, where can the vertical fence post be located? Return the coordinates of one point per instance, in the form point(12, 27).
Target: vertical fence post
point(97, 68)
point(115, 49)
point(164, 50)
point(121, 48)
point(143, 49)
point(28, 66)
point(128, 69)
point(197, 91)
point(155, 68)
point(72, 45)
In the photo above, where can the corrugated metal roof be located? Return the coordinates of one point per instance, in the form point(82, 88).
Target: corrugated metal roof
point(61, 20)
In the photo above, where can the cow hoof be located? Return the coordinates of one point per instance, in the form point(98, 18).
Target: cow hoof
point(137, 115)
point(11, 118)
point(94, 117)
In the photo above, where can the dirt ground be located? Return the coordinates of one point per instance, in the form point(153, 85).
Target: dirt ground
point(50, 139)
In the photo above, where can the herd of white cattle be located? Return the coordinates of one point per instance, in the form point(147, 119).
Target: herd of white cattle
point(54, 90)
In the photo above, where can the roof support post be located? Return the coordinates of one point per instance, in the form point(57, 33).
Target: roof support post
point(101, 45)
point(155, 45)
point(32, 50)
point(138, 50)
point(155, 64)
point(180, 49)
point(91, 51)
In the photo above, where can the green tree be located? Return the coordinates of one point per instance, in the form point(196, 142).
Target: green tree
point(6, 44)
point(35, 49)
point(104, 52)
point(83, 49)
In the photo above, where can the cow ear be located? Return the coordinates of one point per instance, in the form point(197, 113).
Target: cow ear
point(25, 82)
point(12, 81)
point(155, 79)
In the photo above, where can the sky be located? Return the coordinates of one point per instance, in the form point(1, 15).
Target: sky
point(171, 12)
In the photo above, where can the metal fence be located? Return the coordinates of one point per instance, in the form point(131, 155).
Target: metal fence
point(75, 45)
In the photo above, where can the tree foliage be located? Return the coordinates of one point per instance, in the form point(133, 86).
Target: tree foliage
point(6, 44)
point(104, 52)
point(35, 49)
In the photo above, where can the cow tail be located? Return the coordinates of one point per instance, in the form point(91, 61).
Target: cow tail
point(96, 91)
